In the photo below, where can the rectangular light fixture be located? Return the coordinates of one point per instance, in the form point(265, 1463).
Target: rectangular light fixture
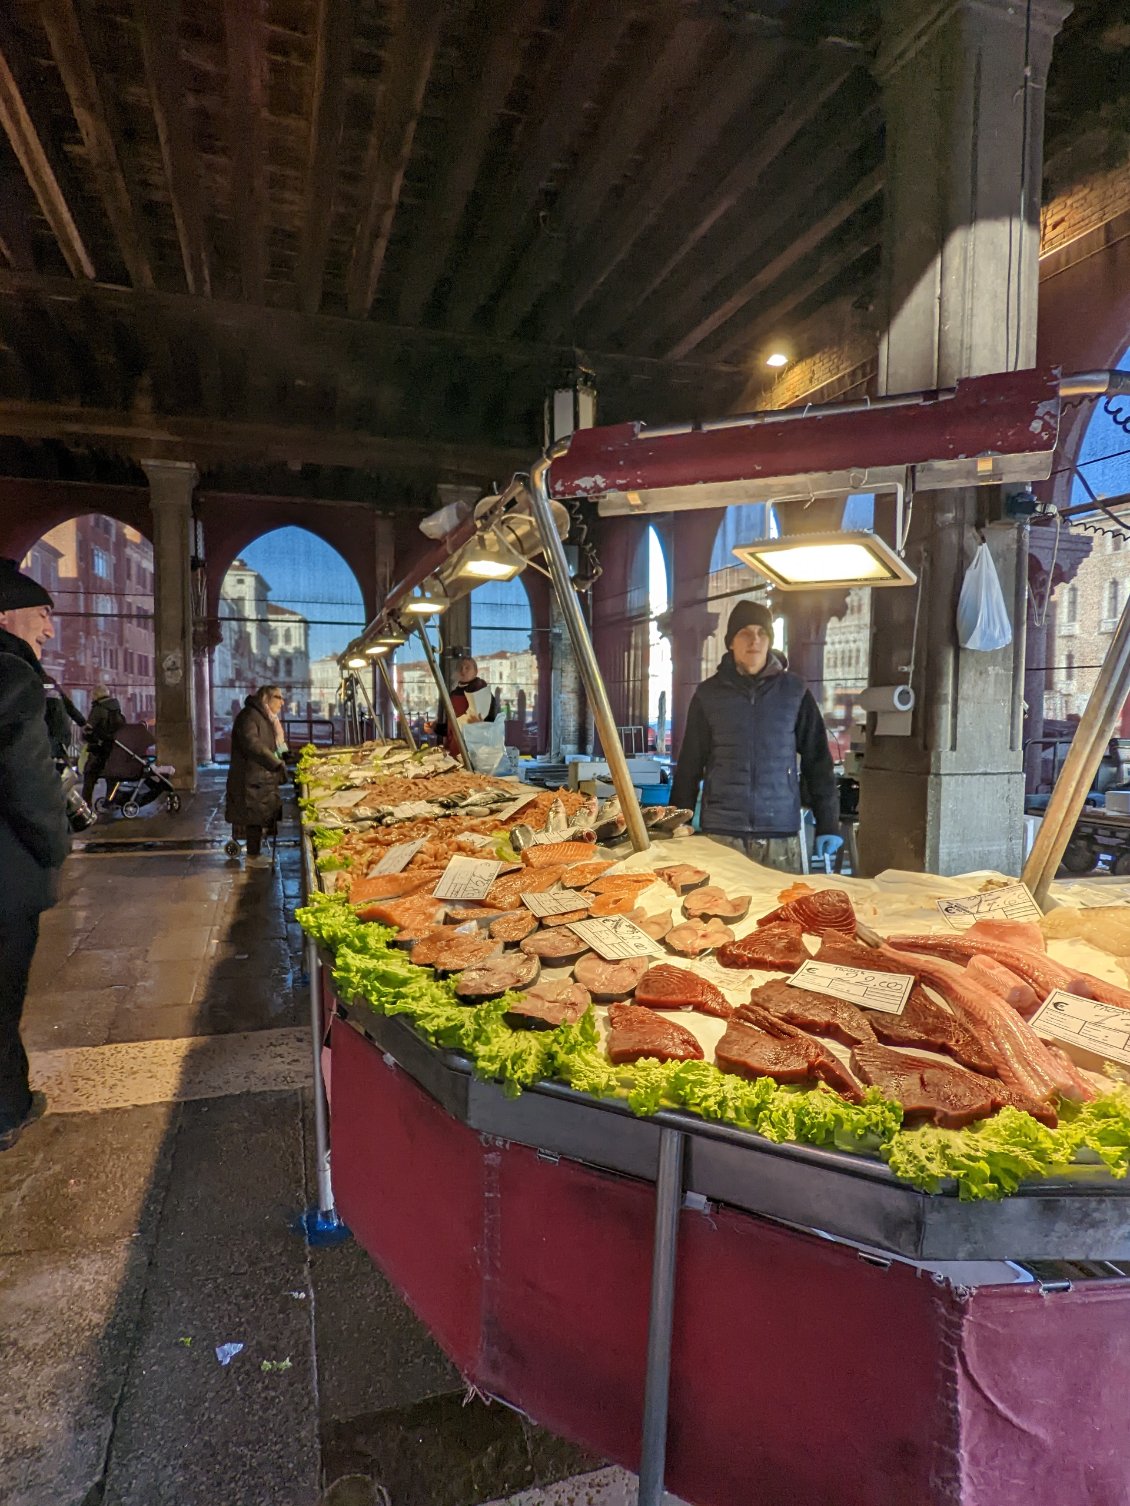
point(806, 562)
point(488, 558)
point(373, 649)
point(427, 602)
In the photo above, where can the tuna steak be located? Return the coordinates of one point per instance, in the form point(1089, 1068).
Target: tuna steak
point(774, 948)
point(945, 1094)
point(634, 1033)
point(668, 987)
point(823, 910)
point(818, 1013)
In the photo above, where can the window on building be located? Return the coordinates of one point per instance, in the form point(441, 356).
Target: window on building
point(1111, 599)
point(1071, 605)
point(1069, 667)
point(100, 563)
point(289, 670)
point(1116, 543)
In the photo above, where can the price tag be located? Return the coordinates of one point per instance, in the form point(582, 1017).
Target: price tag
point(1009, 902)
point(886, 992)
point(412, 810)
point(466, 878)
point(615, 938)
point(507, 812)
point(1101, 1029)
point(397, 858)
point(551, 903)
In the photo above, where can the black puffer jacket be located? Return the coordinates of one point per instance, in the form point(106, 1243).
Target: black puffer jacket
point(743, 738)
point(34, 838)
point(256, 771)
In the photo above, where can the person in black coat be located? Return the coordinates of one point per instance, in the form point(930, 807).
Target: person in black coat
point(747, 727)
point(103, 724)
point(253, 803)
point(34, 837)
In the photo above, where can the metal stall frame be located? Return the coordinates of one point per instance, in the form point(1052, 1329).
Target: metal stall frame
point(444, 694)
point(397, 705)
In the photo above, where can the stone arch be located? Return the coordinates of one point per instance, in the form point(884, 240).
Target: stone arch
point(31, 507)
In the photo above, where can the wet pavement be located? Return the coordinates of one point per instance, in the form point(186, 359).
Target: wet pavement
point(145, 1222)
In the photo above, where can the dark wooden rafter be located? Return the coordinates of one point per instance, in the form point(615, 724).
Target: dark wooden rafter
point(660, 68)
point(333, 46)
point(863, 192)
point(809, 99)
point(96, 117)
point(670, 311)
point(592, 33)
point(721, 95)
point(247, 80)
point(15, 221)
point(487, 81)
point(403, 81)
point(43, 165)
point(158, 25)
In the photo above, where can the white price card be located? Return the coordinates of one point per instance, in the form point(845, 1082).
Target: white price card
point(509, 811)
point(551, 903)
point(397, 858)
point(1101, 1029)
point(615, 938)
point(411, 810)
point(1008, 902)
point(466, 878)
point(886, 992)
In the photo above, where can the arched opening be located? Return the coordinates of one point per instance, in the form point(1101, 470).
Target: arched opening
point(288, 606)
point(728, 581)
point(413, 679)
point(502, 627)
point(659, 669)
point(100, 573)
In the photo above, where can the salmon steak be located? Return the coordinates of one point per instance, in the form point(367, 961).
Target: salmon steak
point(450, 951)
point(634, 1032)
point(775, 948)
point(666, 986)
point(515, 927)
point(411, 916)
point(551, 854)
point(581, 875)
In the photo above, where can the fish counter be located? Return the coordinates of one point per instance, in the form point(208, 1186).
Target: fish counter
point(525, 1023)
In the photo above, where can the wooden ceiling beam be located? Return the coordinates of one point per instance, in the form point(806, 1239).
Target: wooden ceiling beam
point(44, 167)
point(404, 79)
point(247, 71)
point(488, 77)
point(158, 25)
point(863, 192)
point(721, 96)
point(96, 116)
point(661, 66)
point(830, 266)
point(591, 36)
point(744, 177)
point(333, 48)
point(15, 221)
point(672, 310)
point(208, 440)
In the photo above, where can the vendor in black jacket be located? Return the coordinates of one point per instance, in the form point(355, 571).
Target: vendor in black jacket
point(33, 828)
point(746, 728)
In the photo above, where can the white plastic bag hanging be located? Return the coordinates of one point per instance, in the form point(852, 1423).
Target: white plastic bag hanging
point(982, 617)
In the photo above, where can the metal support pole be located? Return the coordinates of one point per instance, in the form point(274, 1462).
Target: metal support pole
point(444, 694)
point(405, 729)
point(369, 702)
point(586, 656)
point(1095, 729)
point(321, 1224)
point(661, 1317)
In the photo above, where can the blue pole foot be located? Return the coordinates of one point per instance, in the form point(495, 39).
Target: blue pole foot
point(320, 1228)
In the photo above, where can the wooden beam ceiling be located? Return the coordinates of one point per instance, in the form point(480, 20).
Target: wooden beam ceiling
point(486, 81)
point(30, 135)
point(244, 37)
point(96, 116)
point(208, 439)
point(333, 46)
point(403, 81)
point(158, 25)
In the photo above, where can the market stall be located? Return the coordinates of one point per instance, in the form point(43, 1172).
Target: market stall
point(750, 1185)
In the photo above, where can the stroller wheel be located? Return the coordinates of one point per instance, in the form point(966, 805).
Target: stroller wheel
point(232, 848)
point(172, 804)
point(130, 809)
point(102, 805)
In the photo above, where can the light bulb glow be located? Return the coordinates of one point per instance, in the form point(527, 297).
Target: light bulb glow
point(356, 663)
point(777, 359)
point(376, 648)
point(794, 563)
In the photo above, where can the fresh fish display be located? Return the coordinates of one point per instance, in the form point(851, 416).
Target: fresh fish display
point(775, 948)
point(817, 912)
point(665, 986)
point(635, 1032)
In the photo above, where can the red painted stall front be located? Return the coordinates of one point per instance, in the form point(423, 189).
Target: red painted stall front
point(803, 1374)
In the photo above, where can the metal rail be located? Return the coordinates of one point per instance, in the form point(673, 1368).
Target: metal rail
point(444, 695)
point(582, 647)
point(397, 705)
point(661, 1317)
point(321, 1224)
point(1095, 729)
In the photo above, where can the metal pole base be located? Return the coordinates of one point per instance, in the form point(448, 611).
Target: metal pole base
point(320, 1228)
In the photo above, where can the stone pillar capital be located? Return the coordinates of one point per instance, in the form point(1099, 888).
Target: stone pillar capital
point(910, 26)
point(170, 481)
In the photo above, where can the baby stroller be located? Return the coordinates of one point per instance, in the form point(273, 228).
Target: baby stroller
point(134, 777)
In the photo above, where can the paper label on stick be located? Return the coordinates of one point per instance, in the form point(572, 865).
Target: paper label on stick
point(397, 858)
point(466, 878)
point(412, 810)
point(1102, 1029)
point(1009, 902)
point(886, 992)
point(507, 811)
point(615, 938)
point(552, 903)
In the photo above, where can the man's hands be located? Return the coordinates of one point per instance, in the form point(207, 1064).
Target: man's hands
point(827, 846)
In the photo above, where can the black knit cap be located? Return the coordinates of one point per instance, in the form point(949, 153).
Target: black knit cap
point(18, 590)
point(748, 614)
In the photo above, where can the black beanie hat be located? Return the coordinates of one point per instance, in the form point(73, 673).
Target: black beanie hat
point(18, 590)
point(748, 614)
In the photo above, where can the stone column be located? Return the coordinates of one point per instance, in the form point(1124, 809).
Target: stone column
point(171, 484)
point(568, 733)
point(963, 86)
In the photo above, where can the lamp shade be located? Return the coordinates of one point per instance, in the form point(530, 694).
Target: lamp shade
point(806, 562)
